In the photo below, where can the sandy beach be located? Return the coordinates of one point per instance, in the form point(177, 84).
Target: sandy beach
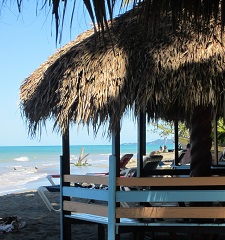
point(40, 222)
point(43, 224)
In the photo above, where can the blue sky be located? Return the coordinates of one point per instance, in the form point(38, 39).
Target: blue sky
point(27, 41)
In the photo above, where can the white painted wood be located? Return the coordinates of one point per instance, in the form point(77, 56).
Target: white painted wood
point(112, 199)
point(86, 193)
point(171, 196)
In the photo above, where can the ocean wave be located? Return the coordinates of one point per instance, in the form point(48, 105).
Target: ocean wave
point(104, 154)
point(22, 159)
point(16, 179)
point(103, 160)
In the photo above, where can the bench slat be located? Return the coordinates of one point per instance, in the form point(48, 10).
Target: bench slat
point(136, 222)
point(171, 212)
point(95, 194)
point(171, 181)
point(171, 196)
point(211, 189)
point(104, 180)
point(78, 207)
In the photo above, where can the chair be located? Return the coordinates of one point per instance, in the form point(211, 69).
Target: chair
point(222, 157)
point(123, 162)
point(149, 163)
point(152, 162)
point(55, 188)
point(52, 189)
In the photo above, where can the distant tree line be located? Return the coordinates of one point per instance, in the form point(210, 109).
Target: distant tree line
point(166, 129)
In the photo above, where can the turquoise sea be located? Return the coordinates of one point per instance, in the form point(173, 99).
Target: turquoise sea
point(26, 167)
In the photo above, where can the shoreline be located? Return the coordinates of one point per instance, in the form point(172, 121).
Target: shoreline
point(43, 224)
point(33, 184)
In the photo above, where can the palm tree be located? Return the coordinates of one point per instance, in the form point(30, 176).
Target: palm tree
point(181, 13)
point(100, 11)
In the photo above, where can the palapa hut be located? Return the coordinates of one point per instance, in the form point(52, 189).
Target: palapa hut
point(174, 75)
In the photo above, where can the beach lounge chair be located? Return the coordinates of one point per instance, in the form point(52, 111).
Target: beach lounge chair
point(149, 163)
point(123, 163)
point(52, 189)
point(222, 157)
point(55, 188)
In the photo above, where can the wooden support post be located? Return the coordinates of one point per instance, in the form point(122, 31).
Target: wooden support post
point(65, 226)
point(215, 141)
point(176, 139)
point(141, 134)
point(201, 142)
point(116, 150)
point(114, 171)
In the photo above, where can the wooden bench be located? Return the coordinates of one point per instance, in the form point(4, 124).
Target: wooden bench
point(160, 211)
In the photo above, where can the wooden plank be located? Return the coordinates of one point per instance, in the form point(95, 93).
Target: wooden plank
point(141, 142)
point(114, 172)
point(162, 171)
point(176, 139)
point(65, 227)
point(136, 223)
point(171, 196)
point(89, 218)
point(171, 181)
point(171, 212)
point(87, 179)
point(95, 194)
point(215, 160)
point(79, 207)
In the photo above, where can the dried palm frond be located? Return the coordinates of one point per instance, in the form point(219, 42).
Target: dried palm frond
point(166, 73)
point(153, 11)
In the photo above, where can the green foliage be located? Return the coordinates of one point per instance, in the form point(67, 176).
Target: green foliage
point(81, 164)
point(166, 129)
point(183, 131)
point(220, 131)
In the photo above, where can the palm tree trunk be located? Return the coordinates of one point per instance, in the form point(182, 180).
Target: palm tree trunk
point(201, 142)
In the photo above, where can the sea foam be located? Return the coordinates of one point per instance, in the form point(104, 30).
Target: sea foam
point(22, 159)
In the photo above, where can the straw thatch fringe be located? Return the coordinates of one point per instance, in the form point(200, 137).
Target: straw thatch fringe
point(166, 74)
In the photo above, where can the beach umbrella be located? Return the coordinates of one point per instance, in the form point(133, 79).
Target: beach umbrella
point(169, 74)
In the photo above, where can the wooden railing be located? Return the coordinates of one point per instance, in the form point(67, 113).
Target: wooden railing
point(160, 198)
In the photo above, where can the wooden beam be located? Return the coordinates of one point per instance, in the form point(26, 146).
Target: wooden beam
point(176, 140)
point(171, 212)
point(114, 172)
point(86, 193)
point(65, 226)
point(171, 196)
point(141, 135)
point(79, 207)
point(175, 181)
point(116, 150)
point(104, 180)
point(215, 141)
point(66, 153)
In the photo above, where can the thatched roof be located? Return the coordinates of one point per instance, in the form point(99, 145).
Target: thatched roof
point(167, 74)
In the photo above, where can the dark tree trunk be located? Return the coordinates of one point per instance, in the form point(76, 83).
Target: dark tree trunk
point(201, 142)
